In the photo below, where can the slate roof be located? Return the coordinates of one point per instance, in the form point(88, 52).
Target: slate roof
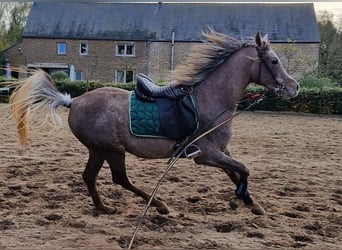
point(155, 22)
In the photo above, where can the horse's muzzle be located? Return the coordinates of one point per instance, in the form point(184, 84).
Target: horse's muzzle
point(287, 91)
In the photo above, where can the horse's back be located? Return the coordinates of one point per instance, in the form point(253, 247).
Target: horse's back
point(98, 116)
point(100, 120)
point(100, 100)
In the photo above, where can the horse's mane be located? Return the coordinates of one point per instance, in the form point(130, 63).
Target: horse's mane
point(207, 56)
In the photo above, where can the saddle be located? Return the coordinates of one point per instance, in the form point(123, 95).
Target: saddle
point(147, 90)
point(174, 105)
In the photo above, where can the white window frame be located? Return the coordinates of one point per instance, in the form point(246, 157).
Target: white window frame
point(125, 49)
point(124, 80)
point(61, 51)
point(86, 49)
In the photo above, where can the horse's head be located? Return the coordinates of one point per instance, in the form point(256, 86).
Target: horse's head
point(271, 73)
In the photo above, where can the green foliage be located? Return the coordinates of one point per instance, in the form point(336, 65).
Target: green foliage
point(324, 100)
point(59, 76)
point(75, 88)
point(292, 57)
point(127, 86)
point(2, 63)
point(318, 100)
point(13, 16)
point(315, 81)
point(2, 79)
point(317, 95)
point(330, 55)
point(78, 88)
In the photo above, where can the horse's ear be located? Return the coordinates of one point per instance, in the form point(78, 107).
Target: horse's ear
point(258, 39)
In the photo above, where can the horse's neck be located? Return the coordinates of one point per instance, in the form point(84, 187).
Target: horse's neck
point(225, 86)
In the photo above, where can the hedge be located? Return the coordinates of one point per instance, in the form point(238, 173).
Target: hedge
point(80, 87)
point(309, 100)
point(324, 100)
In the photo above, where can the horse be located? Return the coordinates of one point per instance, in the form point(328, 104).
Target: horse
point(218, 71)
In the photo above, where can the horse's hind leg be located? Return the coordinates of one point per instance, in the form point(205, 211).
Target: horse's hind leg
point(90, 174)
point(117, 165)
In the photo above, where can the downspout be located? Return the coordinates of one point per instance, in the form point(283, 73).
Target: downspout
point(172, 50)
point(148, 57)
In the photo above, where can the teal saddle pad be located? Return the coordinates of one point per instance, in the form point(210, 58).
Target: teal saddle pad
point(163, 118)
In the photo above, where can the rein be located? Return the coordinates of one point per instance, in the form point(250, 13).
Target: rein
point(188, 143)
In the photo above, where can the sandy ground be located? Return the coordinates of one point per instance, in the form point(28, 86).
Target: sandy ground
point(295, 163)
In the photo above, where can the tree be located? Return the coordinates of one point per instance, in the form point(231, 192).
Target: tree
point(330, 59)
point(3, 29)
point(13, 18)
point(293, 59)
point(18, 20)
point(12, 22)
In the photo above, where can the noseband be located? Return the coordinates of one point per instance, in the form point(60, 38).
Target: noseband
point(278, 89)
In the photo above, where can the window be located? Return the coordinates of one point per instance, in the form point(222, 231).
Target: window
point(79, 75)
point(124, 76)
point(125, 50)
point(61, 48)
point(83, 49)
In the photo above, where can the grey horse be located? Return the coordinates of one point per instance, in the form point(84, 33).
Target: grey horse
point(218, 70)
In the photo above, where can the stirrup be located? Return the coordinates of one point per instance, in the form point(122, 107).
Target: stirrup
point(194, 151)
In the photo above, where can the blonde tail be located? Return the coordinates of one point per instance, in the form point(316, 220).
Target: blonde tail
point(32, 94)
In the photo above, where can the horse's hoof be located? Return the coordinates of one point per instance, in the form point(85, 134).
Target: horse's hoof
point(235, 203)
point(163, 210)
point(257, 209)
point(104, 210)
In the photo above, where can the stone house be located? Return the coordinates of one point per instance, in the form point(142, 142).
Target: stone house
point(115, 41)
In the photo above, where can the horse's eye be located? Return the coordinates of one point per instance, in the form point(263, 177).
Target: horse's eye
point(274, 61)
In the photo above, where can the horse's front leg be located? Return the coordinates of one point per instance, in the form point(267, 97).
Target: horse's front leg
point(238, 173)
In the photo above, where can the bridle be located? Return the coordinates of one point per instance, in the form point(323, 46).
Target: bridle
point(278, 89)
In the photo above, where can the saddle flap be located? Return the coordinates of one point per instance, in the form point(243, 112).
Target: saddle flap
point(178, 118)
point(164, 118)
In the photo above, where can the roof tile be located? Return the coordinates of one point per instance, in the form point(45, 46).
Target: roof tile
point(156, 22)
